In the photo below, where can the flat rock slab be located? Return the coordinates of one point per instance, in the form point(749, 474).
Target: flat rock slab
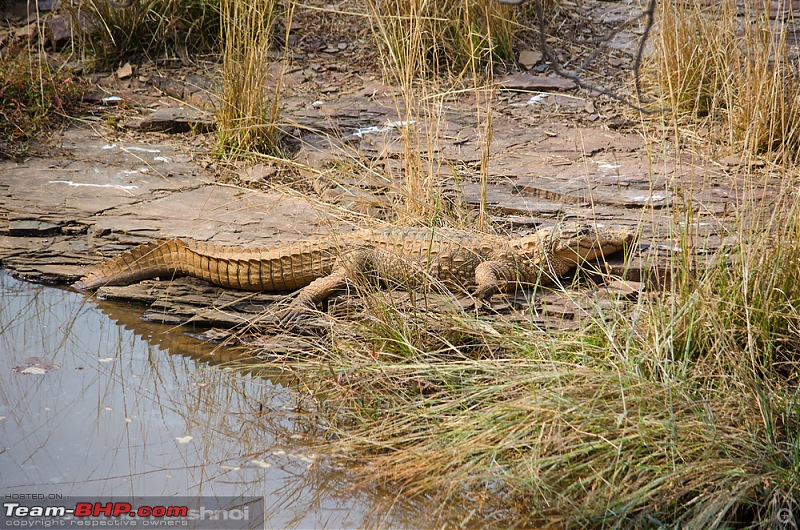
point(226, 215)
point(188, 300)
point(97, 198)
point(93, 175)
point(31, 227)
point(537, 83)
point(177, 120)
point(199, 91)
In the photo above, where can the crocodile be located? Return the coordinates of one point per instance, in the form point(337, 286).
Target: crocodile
point(404, 256)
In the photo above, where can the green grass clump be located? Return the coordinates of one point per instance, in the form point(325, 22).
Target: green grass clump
point(35, 98)
point(748, 305)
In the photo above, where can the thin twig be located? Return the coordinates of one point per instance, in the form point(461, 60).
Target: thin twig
point(556, 67)
point(601, 43)
point(637, 63)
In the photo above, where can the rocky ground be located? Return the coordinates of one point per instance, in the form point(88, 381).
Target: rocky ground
point(138, 167)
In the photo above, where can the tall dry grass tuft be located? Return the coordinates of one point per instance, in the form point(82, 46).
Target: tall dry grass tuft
point(766, 113)
point(419, 42)
point(693, 52)
point(403, 33)
point(448, 36)
point(735, 69)
point(247, 117)
point(110, 32)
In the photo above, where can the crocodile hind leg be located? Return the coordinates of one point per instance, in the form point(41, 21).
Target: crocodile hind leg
point(348, 267)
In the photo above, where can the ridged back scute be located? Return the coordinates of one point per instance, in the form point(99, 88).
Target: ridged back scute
point(450, 255)
point(273, 268)
point(417, 243)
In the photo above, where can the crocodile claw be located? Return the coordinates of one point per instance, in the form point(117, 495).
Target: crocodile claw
point(297, 311)
point(470, 303)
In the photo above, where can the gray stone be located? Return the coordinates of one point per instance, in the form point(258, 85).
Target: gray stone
point(537, 83)
point(177, 120)
point(31, 227)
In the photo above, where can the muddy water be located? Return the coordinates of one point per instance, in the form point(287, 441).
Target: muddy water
point(89, 406)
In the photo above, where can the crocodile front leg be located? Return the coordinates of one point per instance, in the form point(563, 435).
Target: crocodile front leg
point(490, 278)
point(312, 294)
point(494, 276)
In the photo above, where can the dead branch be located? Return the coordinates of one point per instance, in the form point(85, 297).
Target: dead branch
point(550, 56)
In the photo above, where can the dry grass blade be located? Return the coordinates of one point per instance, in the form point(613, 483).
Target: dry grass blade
point(247, 118)
point(110, 31)
point(733, 68)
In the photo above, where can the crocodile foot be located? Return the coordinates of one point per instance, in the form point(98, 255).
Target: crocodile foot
point(298, 311)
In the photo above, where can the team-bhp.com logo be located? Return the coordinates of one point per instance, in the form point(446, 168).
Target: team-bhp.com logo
point(112, 509)
point(34, 511)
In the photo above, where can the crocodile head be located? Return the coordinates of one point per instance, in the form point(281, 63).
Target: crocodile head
point(571, 243)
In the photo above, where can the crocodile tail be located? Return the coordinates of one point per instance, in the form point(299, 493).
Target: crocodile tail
point(157, 258)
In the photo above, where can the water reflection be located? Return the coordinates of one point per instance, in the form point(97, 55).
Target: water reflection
point(102, 411)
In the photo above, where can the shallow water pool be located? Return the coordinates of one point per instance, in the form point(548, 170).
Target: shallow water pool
point(95, 402)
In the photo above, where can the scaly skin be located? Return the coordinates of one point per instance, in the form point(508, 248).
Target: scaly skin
point(403, 256)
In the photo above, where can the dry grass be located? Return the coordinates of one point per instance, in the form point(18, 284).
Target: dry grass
point(456, 37)
point(109, 33)
point(419, 41)
point(247, 118)
point(676, 410)
point(736, 71)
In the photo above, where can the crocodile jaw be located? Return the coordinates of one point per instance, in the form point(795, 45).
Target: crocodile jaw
point(569, 244)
